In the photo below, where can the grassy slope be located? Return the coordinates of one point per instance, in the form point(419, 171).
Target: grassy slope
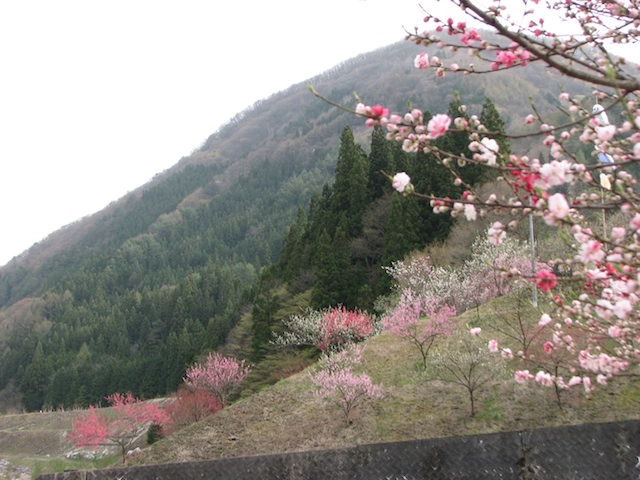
point(288, 417)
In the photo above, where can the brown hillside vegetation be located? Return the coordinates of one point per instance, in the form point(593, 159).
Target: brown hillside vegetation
point(288, 417)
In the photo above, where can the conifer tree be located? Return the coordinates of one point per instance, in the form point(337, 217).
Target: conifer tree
point(349, 197)
point(335, 283)
point(380, 159)
point(36, 380)
point(491, 119)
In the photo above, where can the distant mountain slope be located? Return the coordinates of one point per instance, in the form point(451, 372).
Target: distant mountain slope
point(133, 293)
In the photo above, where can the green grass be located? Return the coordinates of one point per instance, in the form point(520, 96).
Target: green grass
point(58, 465)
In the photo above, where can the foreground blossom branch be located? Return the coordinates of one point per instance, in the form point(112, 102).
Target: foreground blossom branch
point(598, 323)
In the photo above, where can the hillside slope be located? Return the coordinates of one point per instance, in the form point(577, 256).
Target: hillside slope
point(288, 416)
point(126, 298)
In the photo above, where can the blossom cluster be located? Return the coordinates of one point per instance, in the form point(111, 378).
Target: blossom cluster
point(598, 331)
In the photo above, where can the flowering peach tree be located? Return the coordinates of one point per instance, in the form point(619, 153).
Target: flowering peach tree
point(218, 375)
point(599, 326)
point(190, 406)
point(329, 329)
point(420, 319)
point(131, 418)
point(337, 379)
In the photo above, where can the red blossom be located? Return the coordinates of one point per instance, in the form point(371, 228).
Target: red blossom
point(545, 280)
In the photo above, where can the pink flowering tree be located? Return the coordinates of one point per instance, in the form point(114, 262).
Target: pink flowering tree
point(599, 327)
point(119, 426)
point(337, 379)
point(329, 329)
point(218, 375)
point(420, 319)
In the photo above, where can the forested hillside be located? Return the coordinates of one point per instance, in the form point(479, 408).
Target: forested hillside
point(125, 299)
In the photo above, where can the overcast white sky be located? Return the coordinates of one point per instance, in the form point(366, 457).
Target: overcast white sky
point(96, 97)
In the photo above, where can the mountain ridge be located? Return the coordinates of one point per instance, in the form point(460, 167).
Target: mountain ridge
point(171, 262)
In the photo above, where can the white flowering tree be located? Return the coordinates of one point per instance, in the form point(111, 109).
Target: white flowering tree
point(599, 328)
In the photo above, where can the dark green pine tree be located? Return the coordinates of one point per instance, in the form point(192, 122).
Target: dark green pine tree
point(35, 380)
point(263, 315)
point(404, 233)
point(432, 178)
point(291, 258)
point(380, 160)
point(335, 283)
point(350, 196)
point(490, 118)
point(457, 143)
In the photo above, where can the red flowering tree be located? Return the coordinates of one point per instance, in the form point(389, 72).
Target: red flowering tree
point(340, 326)
point(119, 426)
point(600, 327)
point(218, 375)
point(190, 406)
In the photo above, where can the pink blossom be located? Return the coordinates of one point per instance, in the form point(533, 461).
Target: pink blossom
point(622, 308)
point(475, 331)
point(421, 61)
point(548, 347)
point(606, 133)
point(574, 381)
point(438, 125)
point(470, 212)
point(591, 251)
point(558, 206)
point(614, 331)
point(618, 233)
point(496, 233)
point(493, 346)
point(470, 36)
point(522, 376)
point(544, 379)
point(506, 58)
point(400, 181)
point(219, 375)
point(555, 173)
point(507, 354)
point(545, 319)
point(378, 111)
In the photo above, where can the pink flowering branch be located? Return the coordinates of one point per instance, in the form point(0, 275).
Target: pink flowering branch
point(600, 328)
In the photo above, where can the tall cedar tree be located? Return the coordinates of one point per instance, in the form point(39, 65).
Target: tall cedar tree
point(490, 118)
point(335, 283)
point(380, 160)
point(349, 197)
